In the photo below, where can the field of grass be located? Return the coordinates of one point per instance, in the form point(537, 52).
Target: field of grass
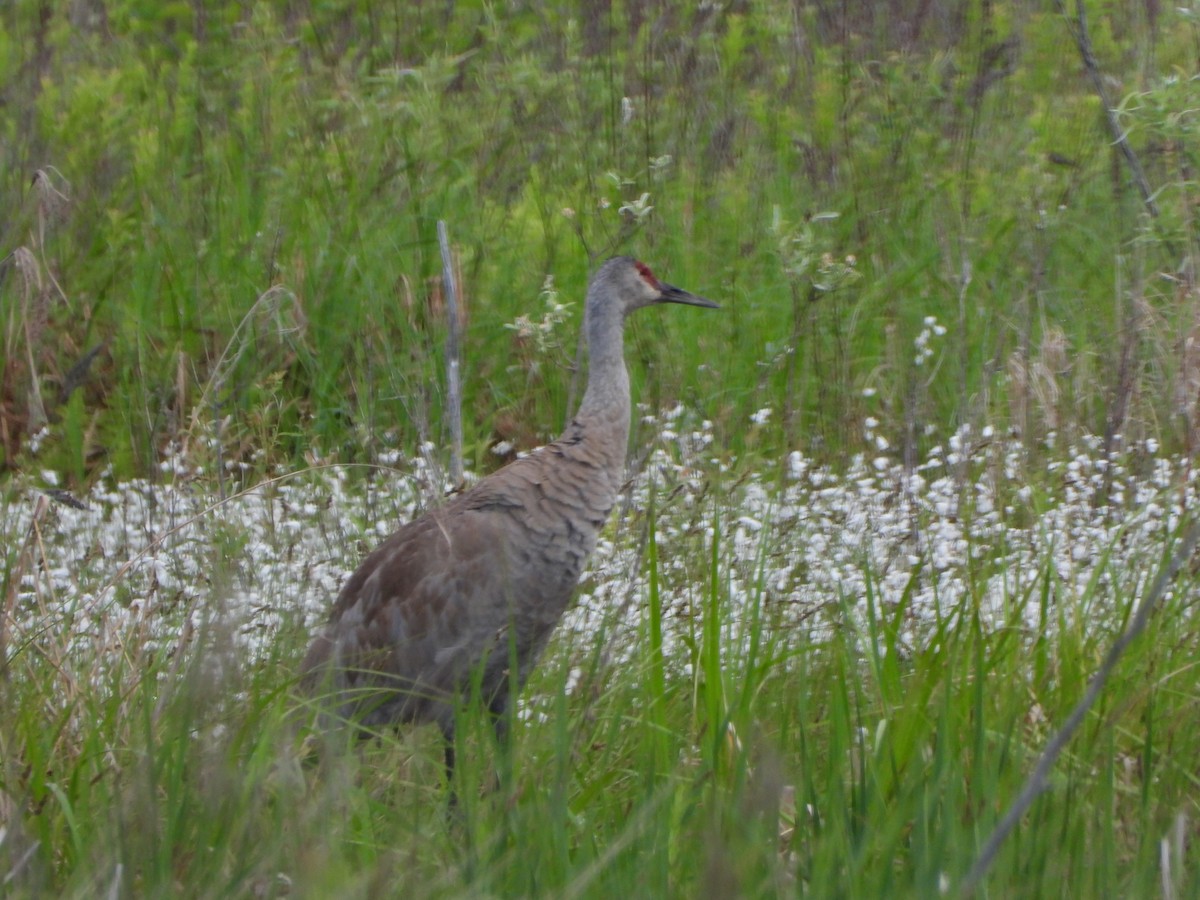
point(887, 511)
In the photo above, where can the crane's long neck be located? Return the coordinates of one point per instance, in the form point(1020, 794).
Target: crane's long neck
point(604, 412)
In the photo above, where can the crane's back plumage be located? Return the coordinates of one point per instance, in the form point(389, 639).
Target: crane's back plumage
point(469, 588)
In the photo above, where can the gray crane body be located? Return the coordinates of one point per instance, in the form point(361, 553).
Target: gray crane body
point(455, 597)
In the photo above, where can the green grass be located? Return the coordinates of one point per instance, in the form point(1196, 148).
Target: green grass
point(847, 766)
point(742, 761)
point(234, 205)
point(165, 170)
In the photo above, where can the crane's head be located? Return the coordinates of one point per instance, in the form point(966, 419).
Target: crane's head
point(630, 284)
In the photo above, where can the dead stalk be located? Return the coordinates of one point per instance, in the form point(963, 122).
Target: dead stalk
point(453, 367)
point(1079, 30)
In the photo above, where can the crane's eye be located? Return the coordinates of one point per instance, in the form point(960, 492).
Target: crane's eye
point(644, 271)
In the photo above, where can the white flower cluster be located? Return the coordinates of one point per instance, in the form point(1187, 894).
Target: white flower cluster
point(829, 548)
point(931, 328)
point(543, 334)
point(801, 548)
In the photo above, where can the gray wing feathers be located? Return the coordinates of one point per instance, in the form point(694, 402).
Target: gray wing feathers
point(495, 567)
point(450, 591)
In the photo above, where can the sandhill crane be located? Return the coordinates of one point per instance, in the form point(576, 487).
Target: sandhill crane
point(456, 596)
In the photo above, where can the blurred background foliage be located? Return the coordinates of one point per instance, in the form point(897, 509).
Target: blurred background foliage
point(218, 227)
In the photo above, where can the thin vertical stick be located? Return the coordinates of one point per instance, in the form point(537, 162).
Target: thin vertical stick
point(1079, 31)
point(453, 386)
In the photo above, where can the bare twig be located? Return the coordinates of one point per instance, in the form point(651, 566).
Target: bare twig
point(965, 275)
point(581, 344)
point(114, 887)
point(1036, 783)
point(1079, 31)
point(453, 386)
point(15, 871)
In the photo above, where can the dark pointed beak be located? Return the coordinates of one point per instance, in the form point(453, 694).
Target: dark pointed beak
point(672, 294)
